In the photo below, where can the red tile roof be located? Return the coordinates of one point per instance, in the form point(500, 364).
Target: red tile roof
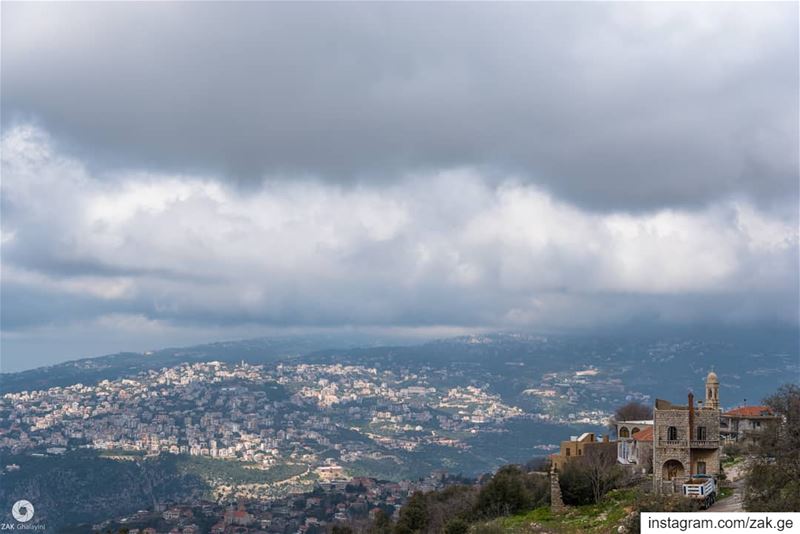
point(644, 435)
point(750, 411)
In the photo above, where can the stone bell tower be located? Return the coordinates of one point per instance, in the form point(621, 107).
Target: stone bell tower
point(712, 391)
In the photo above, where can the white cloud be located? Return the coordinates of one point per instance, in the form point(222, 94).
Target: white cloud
point(445, 248)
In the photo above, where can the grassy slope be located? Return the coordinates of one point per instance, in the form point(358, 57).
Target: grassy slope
point(599, 518)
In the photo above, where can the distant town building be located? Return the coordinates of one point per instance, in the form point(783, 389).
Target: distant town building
point(743, 423)
point(577, 447)
point(237, 517)
point(173, 514)
point(330, 472)
point(686, 439)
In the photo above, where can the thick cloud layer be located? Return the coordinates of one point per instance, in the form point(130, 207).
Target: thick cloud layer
point(610, 106)
point(441, 249)
point(182, 172)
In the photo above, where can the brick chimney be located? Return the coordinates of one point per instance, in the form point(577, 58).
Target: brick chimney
point(691, 416)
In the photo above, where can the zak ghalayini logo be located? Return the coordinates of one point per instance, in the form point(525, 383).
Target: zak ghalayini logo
point(22, 511)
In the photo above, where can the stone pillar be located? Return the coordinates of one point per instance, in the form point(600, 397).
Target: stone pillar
point(556, 502)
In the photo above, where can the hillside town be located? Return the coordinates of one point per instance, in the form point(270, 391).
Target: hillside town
point(335, 501)
point(679, 442)
point(296, 416)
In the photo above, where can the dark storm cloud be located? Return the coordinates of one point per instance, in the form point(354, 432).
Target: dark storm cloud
point(608, 105)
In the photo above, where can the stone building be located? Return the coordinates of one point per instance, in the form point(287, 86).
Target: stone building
point(686, 439)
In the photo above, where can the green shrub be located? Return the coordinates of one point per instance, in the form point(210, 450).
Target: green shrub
point(658, 503)
point(487, 528)
point(456, 526)
point(506, 493)
point(413, 516)
point(576, 488)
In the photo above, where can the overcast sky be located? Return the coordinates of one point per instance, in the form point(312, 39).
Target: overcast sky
point(178, 173)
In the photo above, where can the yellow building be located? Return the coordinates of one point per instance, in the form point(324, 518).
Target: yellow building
point(577, 447)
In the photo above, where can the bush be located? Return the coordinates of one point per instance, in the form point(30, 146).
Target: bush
point(488, 528)
point(453, 509)
point(381, 524)
point(456, 526)
point(451, 503)
point(540, 464)
point(576, 488)
point(657, 503)
point(413, 516)
point(506, 493)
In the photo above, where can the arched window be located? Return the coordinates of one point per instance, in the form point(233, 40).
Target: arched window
point(672, 433)
point(623, 432)
point(672, 469)
point(701, 433)
point(635, 430)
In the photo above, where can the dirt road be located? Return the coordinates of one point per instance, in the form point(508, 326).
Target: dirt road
point(734, 503)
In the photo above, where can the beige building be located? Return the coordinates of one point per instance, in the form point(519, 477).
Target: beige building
point(686, 439)
point(577, 447)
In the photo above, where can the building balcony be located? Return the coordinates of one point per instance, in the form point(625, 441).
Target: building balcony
point(705, 443)
point(672, 443)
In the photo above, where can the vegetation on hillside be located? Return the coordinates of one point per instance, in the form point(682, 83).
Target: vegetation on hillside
point(773, 480)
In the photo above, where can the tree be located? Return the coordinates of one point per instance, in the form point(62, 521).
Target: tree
point(456, 526)
point(773, 480)
point(413, 516)
point(600, 463)
point(381, 523)
point(453, 502)
point(575, 486)
point(539, 464)
point(587, 478)
point(506, 493)
point(632, 411)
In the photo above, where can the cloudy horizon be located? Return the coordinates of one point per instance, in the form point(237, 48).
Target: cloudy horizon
point(416, 169)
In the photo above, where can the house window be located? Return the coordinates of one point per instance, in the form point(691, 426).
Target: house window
point(623, 432)
point(568, 451)
point(701, 433)
point(757, 424)
point(672, 433)
point(580, 451)
point(701, 468)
